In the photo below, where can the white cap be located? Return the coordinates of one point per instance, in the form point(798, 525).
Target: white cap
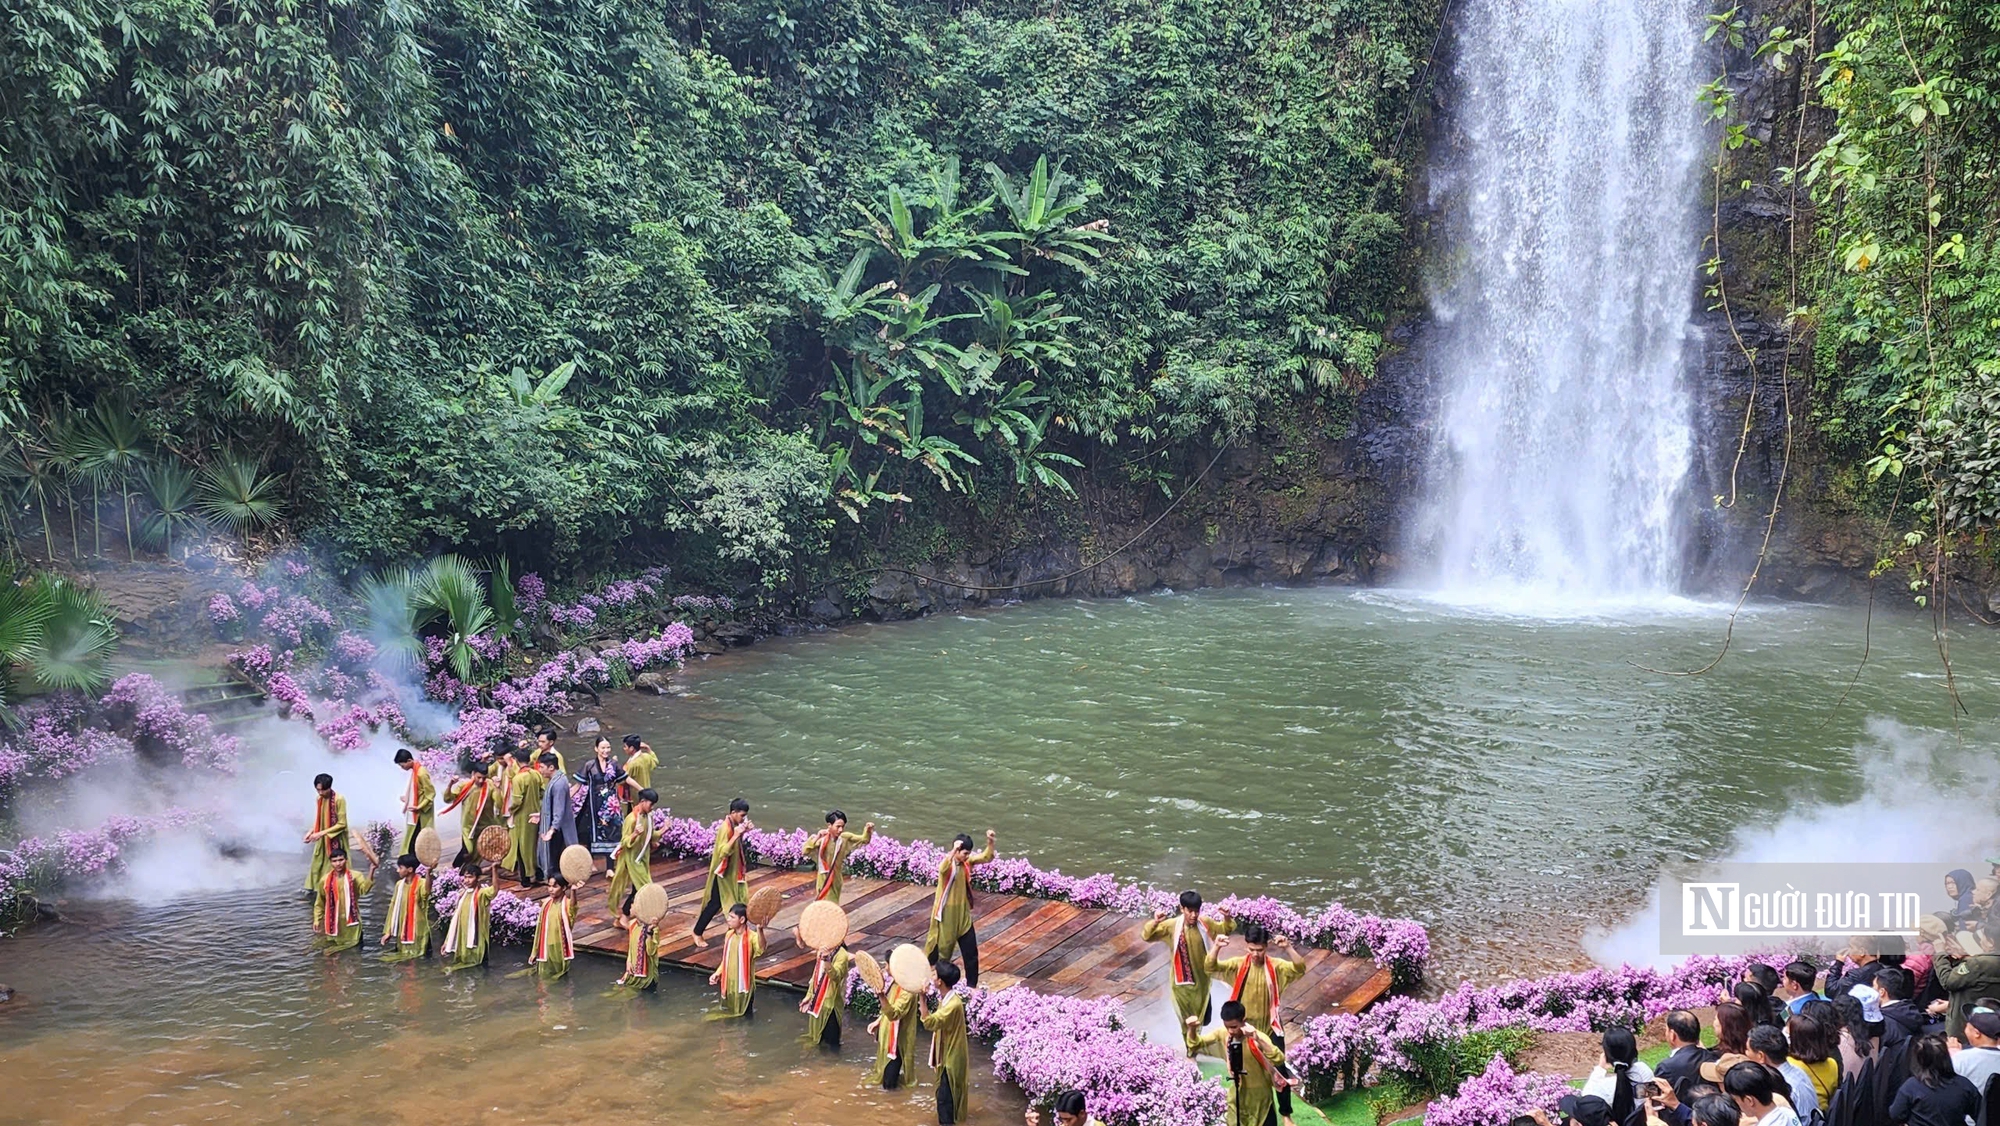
point(1871, 1002)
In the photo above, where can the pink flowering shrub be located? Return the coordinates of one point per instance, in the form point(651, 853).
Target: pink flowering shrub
point(53, 742)
point(1496, 1097)
point(160, 726)
point(222, 611)
point(40, 862)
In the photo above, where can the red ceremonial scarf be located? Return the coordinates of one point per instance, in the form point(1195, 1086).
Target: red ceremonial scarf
point(1256, 1052)
point(742, 979)
point(954, 870)
point(895, 1026)
point(731, 866)
point(479, 810)
point(1270, 975)
point(506, 796)
point(820, 989)
point(1183, 953)
point(829, 855)
point(551, 935)
point(639, 951)
point(416, 772)
point(323, 819)
point(404, 908)
point(338, 903)
point(463, 933)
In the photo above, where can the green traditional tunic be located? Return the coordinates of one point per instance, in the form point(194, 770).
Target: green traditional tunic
point(523, 837)
point(470, 930)
point(330, 815)
point(1251, 1093)
point(895, 1034)
point(632, 861)
point(728, 871)
point(554, 943)
point(422, 794)
point(639, 768)
point(741, 948)
point(950, 1053)
point(829, 852)
point(409, 925)
point(951, 908)
point(1258, 988)
point(1187, 948)
point(473, 798)
point(337, 910)
point(826, 993)
point(642, 959)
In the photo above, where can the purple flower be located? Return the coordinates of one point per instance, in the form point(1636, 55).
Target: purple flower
point(161, 726)
point(1496, 1097)
point(222, 609)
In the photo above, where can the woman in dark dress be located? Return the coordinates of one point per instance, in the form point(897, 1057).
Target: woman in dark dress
point(1935, 1094)
point(601, 817)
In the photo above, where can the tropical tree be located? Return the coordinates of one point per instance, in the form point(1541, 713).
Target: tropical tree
point(393, 616)
point(77, 641)
point(32, 476)
point(109, 447)
point(24, 613)
point(171, 488)
point(449, 588)
point(235, 494)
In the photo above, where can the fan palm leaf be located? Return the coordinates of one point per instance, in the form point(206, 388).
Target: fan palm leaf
point(24, 613)
point(235, 494)
point(110, 446)
point(171, 489)
point(506, 612)
point(393, 615)
point(76, 643)
point(450, 588)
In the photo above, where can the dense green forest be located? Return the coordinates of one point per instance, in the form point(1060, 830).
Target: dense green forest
point(719, 280)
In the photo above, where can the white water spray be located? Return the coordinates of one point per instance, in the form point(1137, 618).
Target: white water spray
point(1572, 263)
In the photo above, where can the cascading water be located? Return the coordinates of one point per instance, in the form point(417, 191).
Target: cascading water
point(1572, 255)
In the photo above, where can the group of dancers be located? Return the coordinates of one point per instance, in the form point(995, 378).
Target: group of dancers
point(526, 792)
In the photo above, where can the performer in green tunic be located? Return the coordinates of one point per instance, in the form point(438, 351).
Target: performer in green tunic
point(1254, 1064)
point(1258, 982)
point(545, 744)
point(337, 911)
point(826, 995)
point(640, 762)
point(554, 943)
point(950, 1053)
point(1187, 936)
point(329, 830)
point(642, 958)
point(407, 934)
point(742, 945)
point(472, 797)
point(951, 908)
point(470, 929)
point(829, 849)
point(895, 1033)
point(632, 861)
point(524, 838)
point(419, 801)
point(728, 870)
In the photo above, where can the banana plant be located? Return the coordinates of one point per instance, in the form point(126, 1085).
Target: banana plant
point(851, 491)
point(1041, 209)
point(931, 451)
point(935, 237)
point(1033, 464)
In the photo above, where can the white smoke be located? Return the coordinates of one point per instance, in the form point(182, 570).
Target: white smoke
point(1926, 798)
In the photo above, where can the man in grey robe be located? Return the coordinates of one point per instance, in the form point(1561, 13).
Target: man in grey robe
point(557, 827)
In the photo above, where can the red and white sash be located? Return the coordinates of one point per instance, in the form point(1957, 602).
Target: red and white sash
point(338, 903)
point(895, 1027)
point(820, 989)
point(405, 909)
point(323, 818)
point(1270, 976)
point(954, 871)
point(464, 791)
point(936, 1053)
point(1184, 962)
point(826, 860)
point(732, 859)
point(505, 797)
point(462, 936)
point(639, 951)
point(411, 799)
point(739, 979)
point(1250, 1042)
point(549, 937)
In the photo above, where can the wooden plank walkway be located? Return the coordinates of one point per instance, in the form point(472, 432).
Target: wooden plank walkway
point(1050, 946)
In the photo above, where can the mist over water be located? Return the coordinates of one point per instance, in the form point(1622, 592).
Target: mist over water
point(1570, 261)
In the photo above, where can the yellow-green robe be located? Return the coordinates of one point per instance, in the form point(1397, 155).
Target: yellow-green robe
point(1187, 952)
point(728, 870)
point(1260, 992)
point(465, 938)
point(829, 856)
point(639, 770)
point(632, 861)
point(895, 1035)
point(1251, 1094)
point(473, 798)
point(524, 837)
point(642, 959)
point(826, 993)
point(740, 951)
point(337, 910)
point(554, 943)
point(422, 794)
point(328, 813)
point(409, 923)
point(951, 907)
point(951, 1055)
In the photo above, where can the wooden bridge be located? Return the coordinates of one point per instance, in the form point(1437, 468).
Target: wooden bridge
point(1051, 947)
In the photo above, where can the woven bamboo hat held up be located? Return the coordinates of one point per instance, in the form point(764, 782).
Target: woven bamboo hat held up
point(575, 864)
point(429, 849)
point(492, 843)
point(823, 926)
point(910, 968)
point(763, 906)
point(649, 904)
point(870, 971)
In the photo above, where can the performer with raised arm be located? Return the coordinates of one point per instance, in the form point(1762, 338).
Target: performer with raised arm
point(640, 762)
point(1255, 1066)
point(829, 849)
point(554, 943)
point(419, 800)
point(632, 863)
point(1187, 936)
point(951, 910)
point(742, 945)
point(409, 924)
point(826, 995)
point(337, 912)
point(466, 937)
point(951, 1055)
point(545, 744)
point(728, 870)
point(472, 797)
point(329, 830)
point(1258, 982)
point(524, 814)
point(895, 1032)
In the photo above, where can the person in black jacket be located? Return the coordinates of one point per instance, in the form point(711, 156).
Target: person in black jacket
point(1901, 1018)
point(1934, 1094)
point(1685, 1055)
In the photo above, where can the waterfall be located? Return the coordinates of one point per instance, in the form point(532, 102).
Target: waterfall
point(1570, 264)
